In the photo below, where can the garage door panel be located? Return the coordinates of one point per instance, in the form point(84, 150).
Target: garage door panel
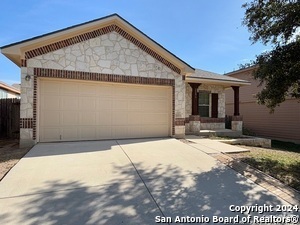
point(87, 132)
point(105, 90)
point(50, 102)
point(155, 105)
point(119, 118)
point(161, 118)
point(135, 131)
point(134, 105)
point(104, 132)
point(159, 106)
point(155, 118)
point(135, 118)
point(88, 103)
point(155, 130)
point(135, 92)
point(69, 103)
point(69, 88)
point(104, 117)
point(104, 103)
point(120, 91)
point(87, 118)
point(120, 104)
point(51, 134)
point(87, 90)
point(69, 118)
point(70, 133)
point(51, 118)
point(79, 110)
point(120, 132)
point(50, 87)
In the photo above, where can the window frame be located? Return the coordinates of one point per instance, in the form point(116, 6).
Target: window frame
point(207, 105)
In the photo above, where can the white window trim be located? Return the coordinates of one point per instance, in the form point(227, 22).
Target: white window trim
point(209, 101)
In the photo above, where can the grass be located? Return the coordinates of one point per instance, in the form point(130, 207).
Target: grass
point(282, 161)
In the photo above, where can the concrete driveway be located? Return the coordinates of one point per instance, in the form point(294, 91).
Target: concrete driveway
point(122, 182)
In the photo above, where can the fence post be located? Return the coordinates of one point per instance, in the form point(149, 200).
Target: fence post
point(10, 118)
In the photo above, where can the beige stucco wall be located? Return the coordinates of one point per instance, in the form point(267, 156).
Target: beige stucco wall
point(283, 124)
point(12, 95)
point(109, 53)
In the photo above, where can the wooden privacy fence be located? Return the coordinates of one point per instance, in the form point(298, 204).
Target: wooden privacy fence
point(10, 118)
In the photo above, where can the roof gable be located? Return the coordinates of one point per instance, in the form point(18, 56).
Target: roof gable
point(59, 39)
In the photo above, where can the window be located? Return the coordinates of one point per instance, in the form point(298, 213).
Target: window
point(3, 94)
point(204, 104)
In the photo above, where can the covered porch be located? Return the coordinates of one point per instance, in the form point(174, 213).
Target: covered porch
point(205, 103)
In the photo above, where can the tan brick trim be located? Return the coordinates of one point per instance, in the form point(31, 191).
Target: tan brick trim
point(23, 63)
point(96, 33)
point(204, 119)
point(173, 109)
point(78, 75)
point(186, 120)
point(34, 107)
point(26, 122)
point(194, 118)
point(212, 120)
point(67, 42)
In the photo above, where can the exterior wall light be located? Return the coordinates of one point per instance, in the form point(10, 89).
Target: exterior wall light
point(27, 78)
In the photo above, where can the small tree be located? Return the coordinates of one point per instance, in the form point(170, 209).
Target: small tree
point(276, 22)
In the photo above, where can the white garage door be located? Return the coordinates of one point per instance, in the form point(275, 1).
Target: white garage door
point(77, 110)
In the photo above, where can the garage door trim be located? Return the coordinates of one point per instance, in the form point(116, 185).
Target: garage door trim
point(87, 76)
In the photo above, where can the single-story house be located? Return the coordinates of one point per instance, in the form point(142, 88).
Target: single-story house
point(283, 124)
point(7, 91)
point(105, 79)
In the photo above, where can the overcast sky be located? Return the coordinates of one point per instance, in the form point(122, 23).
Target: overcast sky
point(207, 34)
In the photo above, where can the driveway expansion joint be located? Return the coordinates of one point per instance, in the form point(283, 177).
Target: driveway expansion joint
point(148, 190)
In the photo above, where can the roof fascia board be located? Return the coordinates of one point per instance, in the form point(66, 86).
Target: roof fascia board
point(218, 82)
point(8, 88)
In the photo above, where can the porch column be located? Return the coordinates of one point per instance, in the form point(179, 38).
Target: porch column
point(236, 90)
point(194, 87)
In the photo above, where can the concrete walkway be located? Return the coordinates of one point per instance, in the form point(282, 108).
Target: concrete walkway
point(212, 146)
point(122, 182)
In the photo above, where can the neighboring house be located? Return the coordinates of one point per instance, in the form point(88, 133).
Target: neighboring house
point(105, 79)
point(284, 124)
point(7, 91)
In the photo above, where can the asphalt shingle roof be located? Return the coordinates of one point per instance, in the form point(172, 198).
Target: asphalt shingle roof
point(202, 74)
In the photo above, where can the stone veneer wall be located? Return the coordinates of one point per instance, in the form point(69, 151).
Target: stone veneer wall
point(26, 108)
point(212, 126)
point(107, 54)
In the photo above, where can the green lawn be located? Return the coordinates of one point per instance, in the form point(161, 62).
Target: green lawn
point(282, 161)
